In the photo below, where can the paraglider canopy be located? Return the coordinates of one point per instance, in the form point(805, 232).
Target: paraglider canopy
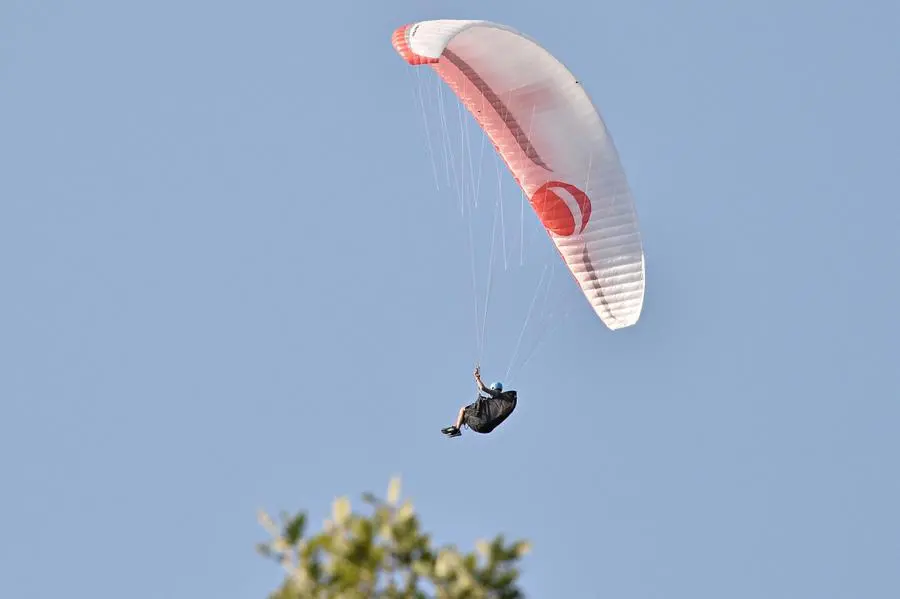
point(551, 137)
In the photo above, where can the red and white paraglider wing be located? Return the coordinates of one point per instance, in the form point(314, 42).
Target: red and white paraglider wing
point(547, 130)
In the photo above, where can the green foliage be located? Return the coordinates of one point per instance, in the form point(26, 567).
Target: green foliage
point(386, 556)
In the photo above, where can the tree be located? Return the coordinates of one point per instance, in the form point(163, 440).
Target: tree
point(386, 555)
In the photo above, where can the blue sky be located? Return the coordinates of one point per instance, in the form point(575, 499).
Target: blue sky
point(229, 283)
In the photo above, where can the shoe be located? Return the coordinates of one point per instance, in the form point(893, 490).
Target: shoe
point(451, 431)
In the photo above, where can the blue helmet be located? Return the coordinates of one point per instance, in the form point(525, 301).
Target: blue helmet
point(498, 386)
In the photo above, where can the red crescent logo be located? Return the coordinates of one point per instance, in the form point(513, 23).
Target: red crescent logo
point(564, 214)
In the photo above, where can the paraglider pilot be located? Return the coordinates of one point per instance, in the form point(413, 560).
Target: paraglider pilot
point(487, 412)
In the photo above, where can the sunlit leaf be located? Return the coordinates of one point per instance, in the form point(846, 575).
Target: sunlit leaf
point(340, 510)
point(393, 494)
